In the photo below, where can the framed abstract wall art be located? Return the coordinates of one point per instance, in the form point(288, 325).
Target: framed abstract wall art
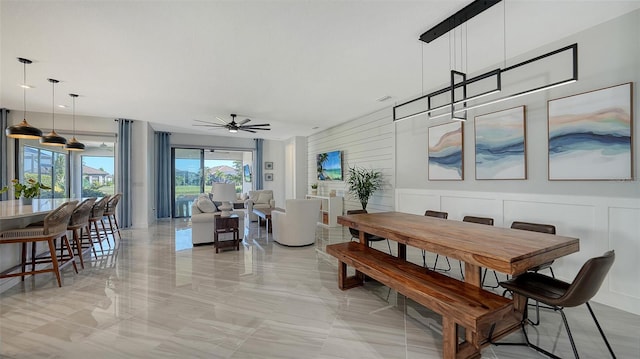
point(445, 152)
point(501, 145)
point(590, 135)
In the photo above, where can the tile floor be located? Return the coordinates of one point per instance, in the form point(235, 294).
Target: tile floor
point(157, 297)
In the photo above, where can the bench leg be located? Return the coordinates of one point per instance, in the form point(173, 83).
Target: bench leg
point(345, 282)
point(449, 338)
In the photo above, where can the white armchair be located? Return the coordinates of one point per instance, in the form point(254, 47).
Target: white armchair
point(258, 199)
point(296, 226)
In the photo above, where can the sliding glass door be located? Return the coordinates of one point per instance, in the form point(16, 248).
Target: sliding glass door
point(187, 179)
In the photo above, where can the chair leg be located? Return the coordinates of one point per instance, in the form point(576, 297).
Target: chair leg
point(24, 258)
point(65, 243)
point(566, 325)
point(604, 337)
point(77, 241)
point(389, 244)
point(106, 235)
point(54, 261)
point(436, 264)
point(99, 240)
point(115, 221)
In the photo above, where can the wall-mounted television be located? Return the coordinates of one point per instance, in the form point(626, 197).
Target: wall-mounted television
point(329, 165)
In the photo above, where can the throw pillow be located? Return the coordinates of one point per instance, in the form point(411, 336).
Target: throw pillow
point(206, 205)
point(264, 197)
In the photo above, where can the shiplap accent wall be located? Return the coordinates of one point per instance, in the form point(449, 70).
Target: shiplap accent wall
point(601, 224)
point(367, 141)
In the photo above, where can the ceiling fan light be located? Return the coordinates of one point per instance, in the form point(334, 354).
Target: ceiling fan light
point(233, 130)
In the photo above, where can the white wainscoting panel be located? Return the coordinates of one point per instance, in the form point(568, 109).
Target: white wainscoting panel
point(601, 224)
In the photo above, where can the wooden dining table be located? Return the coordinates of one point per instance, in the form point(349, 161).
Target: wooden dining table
point(505, 250)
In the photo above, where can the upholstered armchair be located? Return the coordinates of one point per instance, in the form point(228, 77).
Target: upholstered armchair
point(258, 199)
point(297, 225)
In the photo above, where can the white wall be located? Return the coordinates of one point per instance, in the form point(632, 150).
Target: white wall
point(274, 151)
point(366, 142)
point(296, 167)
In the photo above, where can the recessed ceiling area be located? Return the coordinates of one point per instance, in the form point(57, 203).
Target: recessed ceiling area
point(302, 66)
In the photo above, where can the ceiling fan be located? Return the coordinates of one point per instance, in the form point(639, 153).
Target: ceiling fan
point(234, 126)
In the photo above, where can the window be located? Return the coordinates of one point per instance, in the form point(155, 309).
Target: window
point(97, 176)
point(48, 167)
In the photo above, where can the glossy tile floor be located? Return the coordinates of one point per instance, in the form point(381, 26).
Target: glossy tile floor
point(156, 297)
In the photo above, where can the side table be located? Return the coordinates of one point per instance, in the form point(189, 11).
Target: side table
point(226, 225)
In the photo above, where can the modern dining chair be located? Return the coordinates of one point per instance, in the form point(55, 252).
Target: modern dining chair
point(489, 222)
point(53, 227)
point(110, 213)
point(560, 295)
point(368, 236)
point(441, 215)
point(78, 223)
point(540, 228)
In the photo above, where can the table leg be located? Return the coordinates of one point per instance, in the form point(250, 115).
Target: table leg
point(472, 275)
point(449, 338)
point(402, 251)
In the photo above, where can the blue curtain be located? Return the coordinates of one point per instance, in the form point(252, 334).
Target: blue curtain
point(123, 172)
point(258, 171)
point(163, 179)
point(4, 168)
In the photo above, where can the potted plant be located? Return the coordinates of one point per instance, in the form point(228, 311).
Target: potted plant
point(363, 183)
point(314, 188)
point(28, 191)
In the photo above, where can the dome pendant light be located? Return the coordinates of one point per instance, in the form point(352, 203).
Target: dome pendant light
point(73, 144)
point(24, 129)
point(52, 138)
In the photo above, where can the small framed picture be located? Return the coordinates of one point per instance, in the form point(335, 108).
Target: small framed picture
point(268, 176)
point(268, 165)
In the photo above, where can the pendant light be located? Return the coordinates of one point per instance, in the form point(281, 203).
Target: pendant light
point(73, 144)
point(24, 129)
point(52, 138)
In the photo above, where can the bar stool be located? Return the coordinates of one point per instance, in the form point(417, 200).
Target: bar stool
point(54, 227)
point(441, 215)
point(488, 222)
point(368, 236)
point(94, 235)
point(80, 221)
point(560, 295)
point(110, 213)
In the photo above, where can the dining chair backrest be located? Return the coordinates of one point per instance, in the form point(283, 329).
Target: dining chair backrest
point(56, 221)
point(480, 220)
point(437, 214)
point(587, 282)
point(534, 227)
point(99, 207)
point(82, 212)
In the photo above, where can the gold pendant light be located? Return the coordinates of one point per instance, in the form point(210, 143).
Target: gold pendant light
point(24, 129)
point(73, 144)
point(52, 138)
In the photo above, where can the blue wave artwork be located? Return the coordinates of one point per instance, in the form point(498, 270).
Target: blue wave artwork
point(445, 152)
point(590, 135)
point(500, 145)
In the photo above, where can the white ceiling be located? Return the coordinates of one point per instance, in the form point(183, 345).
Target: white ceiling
point(298, 65)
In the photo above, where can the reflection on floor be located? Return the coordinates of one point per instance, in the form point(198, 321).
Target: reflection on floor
point(156, 296)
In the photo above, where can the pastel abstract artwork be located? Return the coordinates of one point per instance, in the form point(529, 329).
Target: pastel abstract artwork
point(500, 145)
point(445, 152)
point(590, 135)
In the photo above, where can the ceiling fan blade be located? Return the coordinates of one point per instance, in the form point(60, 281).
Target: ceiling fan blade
point(210, 125)
point(259, 125)
point(221, 120)
point(244, 129)
point(244, 121)
point(256, 128)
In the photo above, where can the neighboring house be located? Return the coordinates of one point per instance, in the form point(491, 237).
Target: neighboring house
point(94, 175)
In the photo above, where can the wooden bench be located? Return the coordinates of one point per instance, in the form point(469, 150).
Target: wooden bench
point(458, 303)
